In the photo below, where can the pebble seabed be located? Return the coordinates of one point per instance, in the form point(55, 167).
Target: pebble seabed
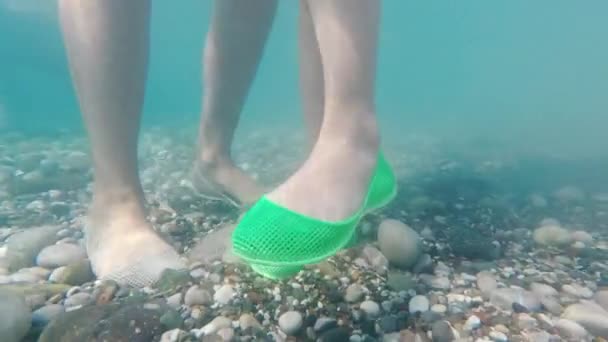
point(466, 252)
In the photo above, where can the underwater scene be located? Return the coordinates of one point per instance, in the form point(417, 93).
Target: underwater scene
point(313, 170)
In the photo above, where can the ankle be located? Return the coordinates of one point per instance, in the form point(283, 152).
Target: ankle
point(211, 160)
point(358, 132)
point(110, 200)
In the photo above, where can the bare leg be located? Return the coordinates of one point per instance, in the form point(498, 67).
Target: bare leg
point(311, 74)
point(333, 181)
point(107, 47)
point(234, 47)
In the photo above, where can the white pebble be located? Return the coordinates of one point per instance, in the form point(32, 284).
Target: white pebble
point(60, 255)
point(290, 322)
point(419, 303)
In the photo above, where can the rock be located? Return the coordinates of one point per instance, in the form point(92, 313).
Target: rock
point(371, 308)
point(47, 313)
point(77, 273)
point(75, 161)
point(442, 332)
point(399, 243)
point(601, 297)
point(354, 293)
point(400, 281)
point(290, 322)
point(436, 282)
point(486, 282)
point(80, 298)
point(569, 193)
point(175, 301)
point(418, 303)
point(525, 321)
point(498, 336)
point(323, 324)
point(505, 297)
point(424, 264)
point(375, 259)
point(171, 319)
point(197, 296)
point(224, 294)
point(106, 291)
point(171, 279)
point(338, 334)
point(175, 335)
point(552, 235)
point(15, 316)
point(577, 291)
point(592, 317)
point(472, 323)
point(248, 322)
point(570, 330)
point(582, 236)
point(439, 308)
point(226, 334)
point(120, 322)
point(543, 290)
point(60, 255)
point(22, 247)
point(218, 323)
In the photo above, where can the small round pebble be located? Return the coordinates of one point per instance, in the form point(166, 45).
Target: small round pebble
point(354, 293)
point(224, 294)
point(419, 303)
point(197, 296)
point(371, 308)
point(290, 322)
point(60, 255)
point(80, 298)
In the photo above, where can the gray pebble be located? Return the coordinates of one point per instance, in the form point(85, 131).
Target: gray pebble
point(418, 303)
point(60, 255)
point(354, 293)
point(81, 298)
point(224, 294)
point(46, 314)
point(290, 322)
point(371, 308)
point(197, 296)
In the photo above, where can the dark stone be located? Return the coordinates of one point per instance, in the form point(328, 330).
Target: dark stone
point(518, 308)
point(442, 332)
point(367, 327)
point(388, 324)
point(423, 265)
point(324, 324)
point(471, 243)
point(335, 335)
point(111, 322)
point(171, 279)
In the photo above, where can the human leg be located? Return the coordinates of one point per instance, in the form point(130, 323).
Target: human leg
point(233, 49)
point(107, 48)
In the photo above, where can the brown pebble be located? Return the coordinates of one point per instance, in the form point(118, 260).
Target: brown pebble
point(107, 290)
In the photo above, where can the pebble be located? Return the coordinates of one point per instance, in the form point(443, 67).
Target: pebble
point(377, 261)
point(174, 335)
point(543, 290)
point(577, 291)
point(371, 308)
point(472, 323)
point(442, 332)
point(439, 308)
point(175, 300)
point(354, 293)
point(582, 236)
point(80, 298)
point(226, 334)
point(15, 316)
point(290, 322)
point(399, 243)
point(419, 303)
point(219, 322)
point(498, 336)
point(570, 330)
point(525, 321)
point(197, 296)
point(486, 282)
point(224, 294)
point(591, 316)
point(505, 297)
point(552, 235)
point(47, 313)
point(247, 321)
point(60, 255)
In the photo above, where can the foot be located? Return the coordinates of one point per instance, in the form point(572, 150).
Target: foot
point(333, 182)
point(221, 179)
point(122, 245)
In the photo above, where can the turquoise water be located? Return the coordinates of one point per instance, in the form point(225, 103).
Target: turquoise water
point(511, 70)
